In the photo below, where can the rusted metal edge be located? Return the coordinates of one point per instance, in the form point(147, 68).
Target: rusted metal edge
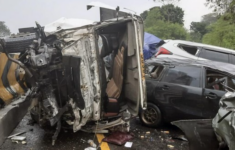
point(11, 115)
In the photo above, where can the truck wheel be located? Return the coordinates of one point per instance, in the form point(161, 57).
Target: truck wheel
point(18, 43)
point(151, 117)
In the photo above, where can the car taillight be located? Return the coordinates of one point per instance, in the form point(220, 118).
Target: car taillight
point(163, 51)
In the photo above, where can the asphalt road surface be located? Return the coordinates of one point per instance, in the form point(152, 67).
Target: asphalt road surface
point(145, 139)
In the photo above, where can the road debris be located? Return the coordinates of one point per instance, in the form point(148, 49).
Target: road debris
point(181, 137)
point(170, 146)
point(148, 132)
point(18, 138)
point(119, 138)
point(90, 148)
point(9, 137)
point(128, 144)
point(24, 142)
point(169, 141)
point(92, 143)
point(15, 141)
point(166, 132)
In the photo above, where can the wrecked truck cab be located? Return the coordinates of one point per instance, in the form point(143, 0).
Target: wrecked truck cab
point(109, 91)
point(72, 84)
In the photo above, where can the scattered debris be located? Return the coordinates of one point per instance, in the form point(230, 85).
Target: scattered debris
point(119, 138)
point(181, 137)
point(142, 137)
point(170, 146)
point(148, 132)
point(169, 141)
point(128, 144)
point(92, 143)
point(15, 142)
point(166, 132)
point(9, 137)
point(24, 142)
point(90, 148)
point(18, 138)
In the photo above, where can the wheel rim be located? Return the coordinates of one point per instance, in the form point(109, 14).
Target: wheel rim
point(150, 115)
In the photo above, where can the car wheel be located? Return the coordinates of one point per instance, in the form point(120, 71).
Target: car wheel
point(151, 116)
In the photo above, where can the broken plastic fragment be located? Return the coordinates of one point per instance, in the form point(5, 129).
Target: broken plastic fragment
point(128, 144)
point(92, 143)
point(24, 142)
point(18, 138)
point(148, 132)
point(166, 132)
point(170, 146)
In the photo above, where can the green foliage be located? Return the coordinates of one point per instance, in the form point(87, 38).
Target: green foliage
point(199, 29)
point(173, 14)
point(144, 14)
point(210, 18)
point(163, 24)
point(194, 37)
point(222, 33)
point(154, 15)
point(165, 30)
point(4, 31)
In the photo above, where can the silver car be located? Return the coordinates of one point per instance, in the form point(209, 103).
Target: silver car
point(198, 51)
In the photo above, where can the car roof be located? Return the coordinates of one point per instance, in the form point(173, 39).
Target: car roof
point(206, 46)
point(214, 65)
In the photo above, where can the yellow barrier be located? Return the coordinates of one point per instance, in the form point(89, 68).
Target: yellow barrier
point(11, 79)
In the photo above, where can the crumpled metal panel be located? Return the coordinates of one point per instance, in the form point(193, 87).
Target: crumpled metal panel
point(199, 133)
point(81, 43)
point(225, 128)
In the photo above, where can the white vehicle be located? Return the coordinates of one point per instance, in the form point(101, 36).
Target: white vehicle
point(185, 49)
point(70, 85)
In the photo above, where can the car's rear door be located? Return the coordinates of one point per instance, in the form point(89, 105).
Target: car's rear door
point(179, 93)
point(211, 95)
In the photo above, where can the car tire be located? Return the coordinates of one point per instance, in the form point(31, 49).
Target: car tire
point(18, 43)
point(152, 116)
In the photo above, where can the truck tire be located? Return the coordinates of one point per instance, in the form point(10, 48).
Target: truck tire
point(18, 43)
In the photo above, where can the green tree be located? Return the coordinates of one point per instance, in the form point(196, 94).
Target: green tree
point(220, 6)
point(165, 30)
point(222, 33)
point(153, 17)
point(4, 31)
point(173, 14)
point(199, 27)
point(144, 14)
point(210, 18)
point(164, 25)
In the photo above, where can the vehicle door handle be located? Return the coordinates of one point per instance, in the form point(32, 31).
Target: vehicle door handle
point(165, 87)
point(211, 96)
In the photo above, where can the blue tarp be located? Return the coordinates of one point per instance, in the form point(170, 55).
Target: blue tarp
point(150, 44)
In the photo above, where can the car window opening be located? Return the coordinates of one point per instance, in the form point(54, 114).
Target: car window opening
point(190, 49)
point(212, 77)
point(156, 71)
